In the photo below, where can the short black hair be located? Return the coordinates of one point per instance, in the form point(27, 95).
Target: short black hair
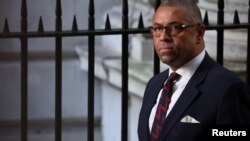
point(190, 4)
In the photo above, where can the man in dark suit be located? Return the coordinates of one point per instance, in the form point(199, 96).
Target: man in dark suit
point(205, 94)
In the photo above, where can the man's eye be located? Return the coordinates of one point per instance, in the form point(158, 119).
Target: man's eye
point(178, 27)
point(157, 29)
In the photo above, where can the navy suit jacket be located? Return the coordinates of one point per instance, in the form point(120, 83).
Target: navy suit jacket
point(213, 96)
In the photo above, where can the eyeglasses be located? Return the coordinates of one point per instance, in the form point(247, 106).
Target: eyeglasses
point(171, 30)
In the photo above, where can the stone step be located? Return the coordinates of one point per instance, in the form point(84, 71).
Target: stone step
point(44, 131)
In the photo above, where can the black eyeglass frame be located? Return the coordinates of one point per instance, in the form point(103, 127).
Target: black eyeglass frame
point(169, 29)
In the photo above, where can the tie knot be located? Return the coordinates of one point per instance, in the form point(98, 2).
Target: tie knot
point(173, 76)
point(168, 87)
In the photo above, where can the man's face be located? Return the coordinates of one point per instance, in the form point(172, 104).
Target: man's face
point(176, 50)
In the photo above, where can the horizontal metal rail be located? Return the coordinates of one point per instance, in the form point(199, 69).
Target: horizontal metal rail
point(100, 32)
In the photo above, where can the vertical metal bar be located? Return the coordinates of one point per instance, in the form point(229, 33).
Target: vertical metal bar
point(24, 73)
point(58, 74)
point(248, 48)
point(91, 71)
point(125, 40)
point(156, 58)
point(220, 32)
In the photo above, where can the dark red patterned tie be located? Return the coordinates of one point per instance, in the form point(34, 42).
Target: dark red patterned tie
point(163, 106)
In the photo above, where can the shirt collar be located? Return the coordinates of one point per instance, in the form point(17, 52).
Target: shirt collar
point(190, 67)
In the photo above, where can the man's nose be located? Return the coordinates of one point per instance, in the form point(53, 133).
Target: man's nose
point(165, 35)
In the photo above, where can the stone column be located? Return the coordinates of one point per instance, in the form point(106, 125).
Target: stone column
point(140, 46)
point(235, 41)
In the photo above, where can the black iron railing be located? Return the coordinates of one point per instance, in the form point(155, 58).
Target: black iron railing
point(91, 32)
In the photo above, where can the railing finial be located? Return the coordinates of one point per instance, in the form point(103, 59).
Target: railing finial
point(236, 17)
point(141, 24)
point(107, 23)
point(6, 26)
point(40, 25)
point(74, 25)
point(205, 20)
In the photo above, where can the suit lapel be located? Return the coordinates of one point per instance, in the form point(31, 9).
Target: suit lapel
point(151, 95)
point(186, 98)
point(188, 95)
point(156, 87)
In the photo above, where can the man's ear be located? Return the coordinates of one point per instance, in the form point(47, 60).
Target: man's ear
point(201, 32)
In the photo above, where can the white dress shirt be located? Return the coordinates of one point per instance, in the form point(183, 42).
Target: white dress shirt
point(186, 72)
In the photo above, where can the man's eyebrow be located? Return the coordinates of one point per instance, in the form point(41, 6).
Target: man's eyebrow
point(171, 23)
point(157, 24)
